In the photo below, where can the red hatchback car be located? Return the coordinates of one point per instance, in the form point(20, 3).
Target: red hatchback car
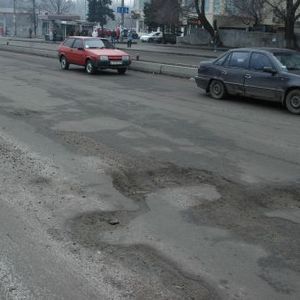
point(93, 54)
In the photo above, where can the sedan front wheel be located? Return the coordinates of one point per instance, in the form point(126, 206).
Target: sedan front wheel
point(217, 89)
point(293, 102)
point(89, 67)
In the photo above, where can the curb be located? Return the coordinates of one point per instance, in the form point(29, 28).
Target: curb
point(171, 53)
point(147, 67)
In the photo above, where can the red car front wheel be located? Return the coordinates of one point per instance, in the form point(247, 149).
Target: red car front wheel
point(89, 67)
point(64, 63)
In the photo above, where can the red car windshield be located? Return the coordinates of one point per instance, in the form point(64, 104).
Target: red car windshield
point(97, 44)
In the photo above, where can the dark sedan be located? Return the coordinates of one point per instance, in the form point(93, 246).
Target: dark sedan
point(268, 74)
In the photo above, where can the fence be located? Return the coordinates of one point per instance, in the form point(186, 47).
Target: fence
point(235, 38)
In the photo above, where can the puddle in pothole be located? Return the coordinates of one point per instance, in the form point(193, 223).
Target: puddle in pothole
point(186, 196)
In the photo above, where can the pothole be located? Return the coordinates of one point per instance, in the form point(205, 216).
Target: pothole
point(86, 228)
point(24, 113)
point(137, 183)
point(187, 196)
point(40, 180)
point(153, 273)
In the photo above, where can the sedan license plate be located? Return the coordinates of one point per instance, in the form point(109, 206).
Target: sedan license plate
point(116, 63)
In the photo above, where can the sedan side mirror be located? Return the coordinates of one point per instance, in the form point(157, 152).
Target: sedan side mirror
point(269, 70)
point(81, 49)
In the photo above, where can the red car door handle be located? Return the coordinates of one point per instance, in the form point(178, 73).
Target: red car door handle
point(248, 76)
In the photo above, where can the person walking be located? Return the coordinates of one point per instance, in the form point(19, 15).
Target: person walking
point(113, 37)
point(129, 39)
point(118, 32)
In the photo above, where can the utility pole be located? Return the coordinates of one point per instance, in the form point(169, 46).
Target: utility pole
point(15, 19)
point(34, 17)
point(122, 15)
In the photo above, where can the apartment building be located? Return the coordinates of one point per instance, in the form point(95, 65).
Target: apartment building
point(220, 10)
point(138, 8)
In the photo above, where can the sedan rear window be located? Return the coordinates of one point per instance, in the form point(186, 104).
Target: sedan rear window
point(239, 60)
point(220, 61)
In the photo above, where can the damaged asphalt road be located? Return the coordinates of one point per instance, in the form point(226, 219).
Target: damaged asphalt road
point(140, 187)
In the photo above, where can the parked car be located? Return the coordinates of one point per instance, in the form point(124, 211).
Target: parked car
point(125, 32)
point(151, 37)
point(268, 74)
point(168, 38)
point(93, 54)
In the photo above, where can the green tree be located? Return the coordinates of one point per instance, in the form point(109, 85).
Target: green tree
point(149, 16)
point(99, 11)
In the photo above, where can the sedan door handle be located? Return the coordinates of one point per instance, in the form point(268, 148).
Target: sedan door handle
point(248, 76)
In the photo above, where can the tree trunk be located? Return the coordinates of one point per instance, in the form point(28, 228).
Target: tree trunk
point(204, 22)
point(290, 38)
point(290, 34)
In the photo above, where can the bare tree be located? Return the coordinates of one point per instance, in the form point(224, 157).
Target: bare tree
point(288, 12)
point(57, 7)
point(250, 11)
point(212, 30)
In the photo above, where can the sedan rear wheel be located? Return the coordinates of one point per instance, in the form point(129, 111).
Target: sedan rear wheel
point(89, 67)
point(64, 63)
point(293, 102)
point(217, 89)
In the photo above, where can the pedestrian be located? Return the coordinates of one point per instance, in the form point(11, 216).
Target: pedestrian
point(113, 37)
point(30, 32)
point(54, 35)
point(118, 34)
point(95, 33)
point(129, 39)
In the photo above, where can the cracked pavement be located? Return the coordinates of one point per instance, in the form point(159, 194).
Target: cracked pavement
point(142, 187)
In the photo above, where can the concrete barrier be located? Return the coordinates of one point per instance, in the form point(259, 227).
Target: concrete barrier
point(148, 67)
point(164, 69)
point(29, 50)
point(186, 72)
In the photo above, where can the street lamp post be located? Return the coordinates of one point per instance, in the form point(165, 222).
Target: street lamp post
point(34, 17)
point(15, 19)
point(122, 14)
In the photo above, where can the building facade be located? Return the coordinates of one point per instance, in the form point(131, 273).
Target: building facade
point(227, 15)
point(138, 8)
